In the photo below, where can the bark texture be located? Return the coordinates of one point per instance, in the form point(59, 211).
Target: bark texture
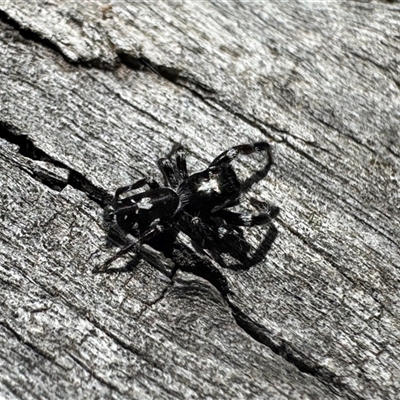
point(92, 94)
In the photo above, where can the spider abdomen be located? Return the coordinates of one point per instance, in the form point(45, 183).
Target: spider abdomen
point(136, 213)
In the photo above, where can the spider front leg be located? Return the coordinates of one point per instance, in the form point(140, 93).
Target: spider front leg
point(150, 182)
point(181, 163)
point(174, 174)
point(168, 171)
point(229, 155)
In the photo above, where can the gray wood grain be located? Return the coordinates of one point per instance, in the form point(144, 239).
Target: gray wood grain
point(93, 96)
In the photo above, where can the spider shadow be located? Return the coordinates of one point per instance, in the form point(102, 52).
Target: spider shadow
point(255, 177)
point(234, 243)
point(242, 251)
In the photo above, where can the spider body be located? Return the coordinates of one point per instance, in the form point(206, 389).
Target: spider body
point(210, 190)
point(201, 197)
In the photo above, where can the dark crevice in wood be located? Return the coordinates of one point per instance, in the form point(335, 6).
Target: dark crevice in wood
point(134, 62)
point(188, 261)
point(191, 262)
point(31, 35)
point(171, 74)
point(29, 150)
point(291, 355)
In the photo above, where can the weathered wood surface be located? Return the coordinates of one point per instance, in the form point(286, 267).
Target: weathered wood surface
point(316, 316)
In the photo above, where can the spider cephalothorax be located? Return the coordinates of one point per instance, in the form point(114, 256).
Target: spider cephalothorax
point(203, 196)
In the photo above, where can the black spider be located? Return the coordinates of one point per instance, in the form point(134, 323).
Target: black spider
point(200, 198)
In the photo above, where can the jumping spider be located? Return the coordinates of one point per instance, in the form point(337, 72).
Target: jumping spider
point(200, 198)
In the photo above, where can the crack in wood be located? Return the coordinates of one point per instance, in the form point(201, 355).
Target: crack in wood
point(28, 149)
point(32, 35)
point(290, 354)
point(200, 267)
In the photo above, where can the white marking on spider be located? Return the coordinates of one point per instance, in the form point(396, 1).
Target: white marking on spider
point(247, 219)
point(145, 203)
point(209, 186)
point(222, 231)
point(196, 221)
point(232, 153)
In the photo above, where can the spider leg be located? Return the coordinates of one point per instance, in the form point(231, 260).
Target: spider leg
point(126, 209)
point(229, 155)
point(238, 219)
point(199, 229)
point(145, 181)
point(227, 203)
point(181, 163)
point(174, 173)
point(147, 235)
point(169, 172)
